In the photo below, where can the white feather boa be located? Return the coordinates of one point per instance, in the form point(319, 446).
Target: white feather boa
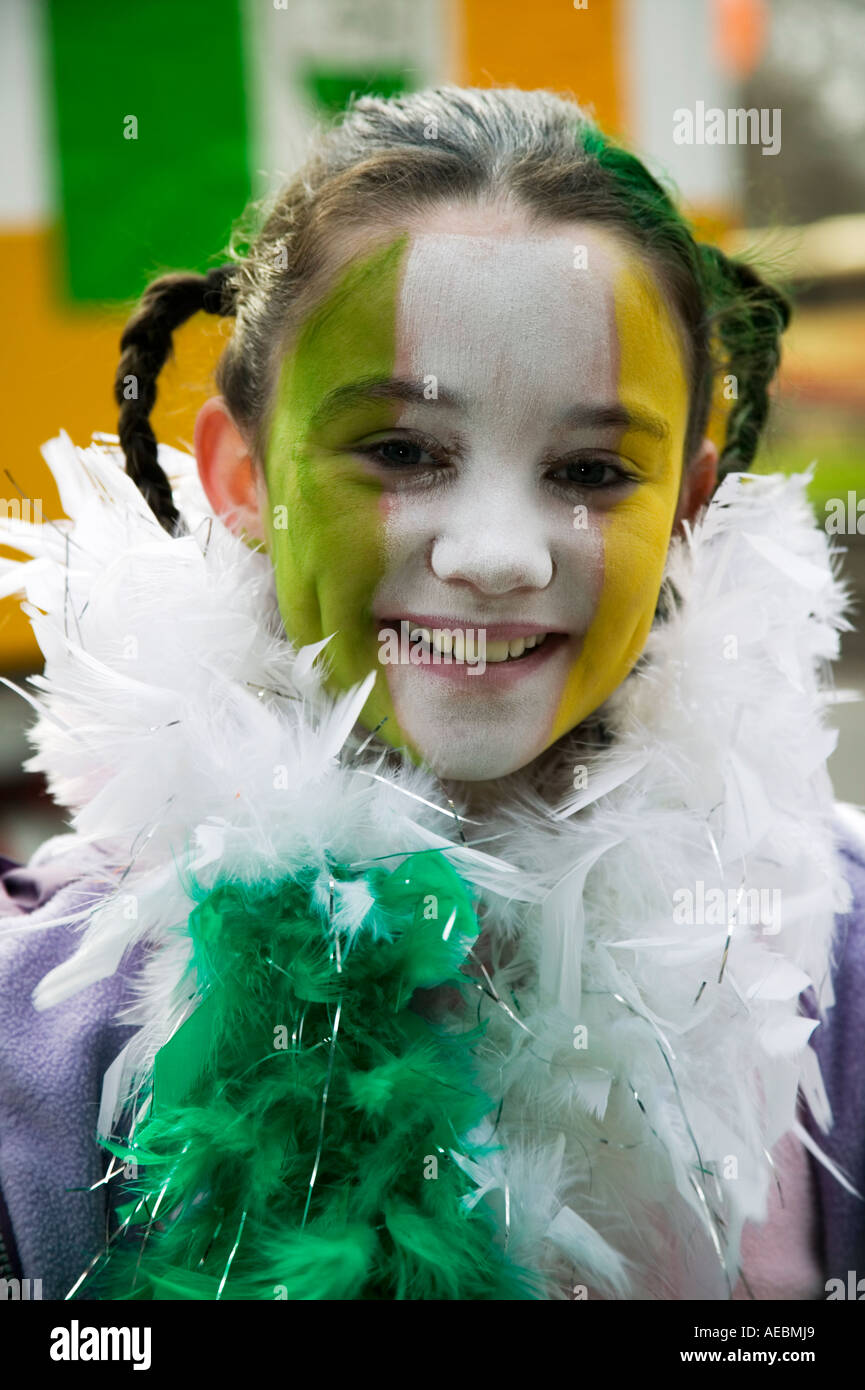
point(645, 1063)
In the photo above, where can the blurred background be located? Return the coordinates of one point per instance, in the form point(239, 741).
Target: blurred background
point(134, 135)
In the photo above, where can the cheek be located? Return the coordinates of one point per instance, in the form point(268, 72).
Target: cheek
point(584, 576)
point(328, 562)
point(634, 540)
point(328, 558)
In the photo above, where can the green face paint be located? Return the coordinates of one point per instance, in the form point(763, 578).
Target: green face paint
point(325, 522)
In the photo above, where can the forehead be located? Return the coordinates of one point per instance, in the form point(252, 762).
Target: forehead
point(516, 326)
point(500, 315)
point(500, 308)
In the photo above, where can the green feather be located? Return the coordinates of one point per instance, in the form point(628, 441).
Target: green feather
point(302, 1119)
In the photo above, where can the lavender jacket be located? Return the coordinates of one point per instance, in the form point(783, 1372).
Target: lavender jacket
point(53, 1220)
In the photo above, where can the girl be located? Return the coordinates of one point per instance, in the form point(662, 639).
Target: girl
point(454, 883)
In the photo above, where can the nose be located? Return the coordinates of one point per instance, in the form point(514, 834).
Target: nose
point(494, 545)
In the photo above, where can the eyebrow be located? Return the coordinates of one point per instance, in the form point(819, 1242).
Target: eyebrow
point(613, 414)
point(376, 388)
point(608, 415)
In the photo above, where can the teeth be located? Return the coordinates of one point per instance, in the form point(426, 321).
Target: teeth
point(504, 651)
point(497, 651)
point(450, 643)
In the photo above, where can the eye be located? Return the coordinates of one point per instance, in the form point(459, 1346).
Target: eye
point(397, 452)
point(593, 472)
point(401, 453)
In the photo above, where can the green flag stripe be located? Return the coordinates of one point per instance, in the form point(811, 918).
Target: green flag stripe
point(331, 88)
point(172, 77)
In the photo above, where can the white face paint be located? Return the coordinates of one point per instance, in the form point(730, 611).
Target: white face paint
point(513, 337)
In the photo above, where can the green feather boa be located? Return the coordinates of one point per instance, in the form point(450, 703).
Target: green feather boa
point(303, 1117)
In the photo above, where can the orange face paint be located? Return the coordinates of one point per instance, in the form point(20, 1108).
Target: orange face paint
point(636, 531)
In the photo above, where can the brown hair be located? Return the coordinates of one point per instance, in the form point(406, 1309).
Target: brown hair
point(387, 159)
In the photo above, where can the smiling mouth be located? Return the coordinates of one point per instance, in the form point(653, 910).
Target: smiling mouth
point(454, 643)
point(499, 644)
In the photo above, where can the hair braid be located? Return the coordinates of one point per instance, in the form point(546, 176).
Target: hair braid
point(145, 346)
point(750, 316)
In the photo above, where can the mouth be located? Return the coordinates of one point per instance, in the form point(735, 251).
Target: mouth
point(459, 642)
point(455, 643)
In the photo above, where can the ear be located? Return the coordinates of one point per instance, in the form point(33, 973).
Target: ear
point(698, 483)
point(228, 473)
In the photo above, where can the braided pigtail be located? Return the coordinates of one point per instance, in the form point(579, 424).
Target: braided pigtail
point(145, 347)
point(749, 316)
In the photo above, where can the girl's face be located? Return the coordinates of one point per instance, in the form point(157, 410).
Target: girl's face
point(480, 428)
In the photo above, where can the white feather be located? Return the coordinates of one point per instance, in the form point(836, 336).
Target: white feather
point(631, 1054)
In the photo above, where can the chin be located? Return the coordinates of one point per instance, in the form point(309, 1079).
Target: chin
point(475, 759)
point(478, 728)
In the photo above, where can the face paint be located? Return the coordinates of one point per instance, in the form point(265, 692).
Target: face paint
point(636, 531)
point(323, 526)
point(523, 368)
